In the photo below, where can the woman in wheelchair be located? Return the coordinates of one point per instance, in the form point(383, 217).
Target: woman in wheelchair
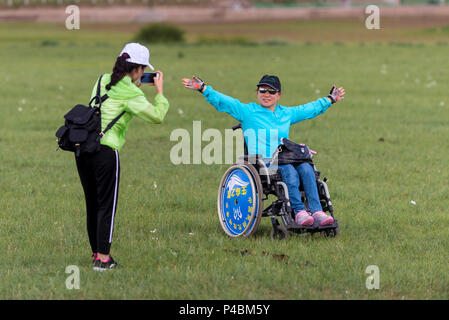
point(270, 122)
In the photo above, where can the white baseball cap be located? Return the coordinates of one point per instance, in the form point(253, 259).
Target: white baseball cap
point(137, 54)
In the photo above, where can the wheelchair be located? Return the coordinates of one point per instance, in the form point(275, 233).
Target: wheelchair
point(248, 183)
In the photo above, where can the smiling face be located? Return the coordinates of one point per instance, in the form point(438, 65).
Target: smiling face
point(268, 97)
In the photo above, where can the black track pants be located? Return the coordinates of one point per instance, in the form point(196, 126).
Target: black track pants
point(100, 176)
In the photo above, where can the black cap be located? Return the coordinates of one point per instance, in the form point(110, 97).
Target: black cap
point(272, 81)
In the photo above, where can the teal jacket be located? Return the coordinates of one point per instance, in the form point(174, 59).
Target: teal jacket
point(263, 129)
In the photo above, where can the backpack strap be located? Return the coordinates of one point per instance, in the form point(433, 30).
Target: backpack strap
point(110, 125)
point(98, 98)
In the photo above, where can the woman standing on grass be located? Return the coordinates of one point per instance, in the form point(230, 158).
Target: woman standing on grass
point(100, 172)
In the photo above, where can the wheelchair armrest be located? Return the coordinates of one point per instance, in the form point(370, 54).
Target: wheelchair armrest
point(276, 176)
point(251, 158)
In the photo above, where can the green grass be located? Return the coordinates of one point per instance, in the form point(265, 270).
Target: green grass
point(394, 91)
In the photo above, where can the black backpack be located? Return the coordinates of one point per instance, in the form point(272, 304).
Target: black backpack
point(82, 130)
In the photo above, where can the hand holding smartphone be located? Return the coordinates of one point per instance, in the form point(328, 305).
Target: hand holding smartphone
point(148, 77)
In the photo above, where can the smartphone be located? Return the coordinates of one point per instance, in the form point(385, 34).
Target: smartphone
point(148, 77)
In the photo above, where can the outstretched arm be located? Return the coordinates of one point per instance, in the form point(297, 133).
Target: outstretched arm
point(221, 102)
point(313, 109)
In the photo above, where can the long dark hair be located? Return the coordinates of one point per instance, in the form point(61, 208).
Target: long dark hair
point(121, 68)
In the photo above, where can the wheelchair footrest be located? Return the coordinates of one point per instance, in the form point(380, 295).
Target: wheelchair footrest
point(293, 226)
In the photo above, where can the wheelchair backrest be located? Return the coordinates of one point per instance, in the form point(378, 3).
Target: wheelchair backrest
point(245, 148)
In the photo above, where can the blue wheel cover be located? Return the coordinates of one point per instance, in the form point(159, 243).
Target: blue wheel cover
point(239, 202)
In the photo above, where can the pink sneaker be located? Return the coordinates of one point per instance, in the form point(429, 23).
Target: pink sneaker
point(322, 218)
point(303, 218)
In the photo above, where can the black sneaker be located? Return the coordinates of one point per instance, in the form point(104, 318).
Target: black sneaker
point(103, 266)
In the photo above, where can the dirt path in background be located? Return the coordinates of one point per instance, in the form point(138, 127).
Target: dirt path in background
point(298, 24)
point(423, 14)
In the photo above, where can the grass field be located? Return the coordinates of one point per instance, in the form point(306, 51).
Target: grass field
point(383, 147)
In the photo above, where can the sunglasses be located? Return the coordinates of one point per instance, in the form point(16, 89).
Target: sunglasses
point(270, 91)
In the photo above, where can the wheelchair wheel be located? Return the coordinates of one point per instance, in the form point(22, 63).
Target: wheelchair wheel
point(240, 203)
point(279, 232)
point(331, 233)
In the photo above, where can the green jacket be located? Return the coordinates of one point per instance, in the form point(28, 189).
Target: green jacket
point(126, 96)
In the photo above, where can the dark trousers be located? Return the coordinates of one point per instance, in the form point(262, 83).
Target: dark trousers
point(100, 176)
